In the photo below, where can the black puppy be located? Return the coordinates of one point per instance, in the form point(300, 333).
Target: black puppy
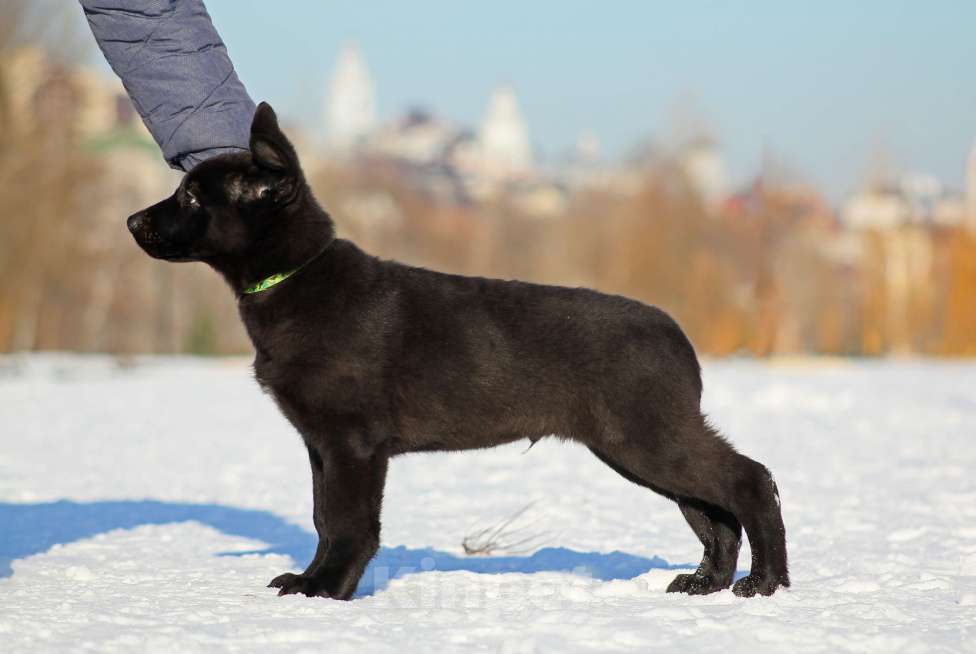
point(369, 359)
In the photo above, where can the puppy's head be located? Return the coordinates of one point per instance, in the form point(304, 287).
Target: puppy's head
point(226, 206)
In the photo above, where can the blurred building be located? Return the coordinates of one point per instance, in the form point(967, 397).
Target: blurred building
point(794, 203)
point(454, 161)
point(450, 162)
point(876, 208)
point(504, 138)
point(350, 110)
point(101, 165)
point(701, 161)
point(422, 149)
point(916, 199)
point(418, 138)
point(103, 123)
point(39, 91)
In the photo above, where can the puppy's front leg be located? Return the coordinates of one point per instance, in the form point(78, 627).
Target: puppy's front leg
point(290, 579)
point(347, 493)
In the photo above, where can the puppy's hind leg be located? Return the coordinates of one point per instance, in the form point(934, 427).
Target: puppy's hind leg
point(718, 530)
point(700, 466)
point(755, 501)
point(714, 473)
point(721, 534)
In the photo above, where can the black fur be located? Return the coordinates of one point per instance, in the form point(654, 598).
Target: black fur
point(370, 359)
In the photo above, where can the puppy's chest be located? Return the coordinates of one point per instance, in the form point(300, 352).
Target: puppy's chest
point(317, 385)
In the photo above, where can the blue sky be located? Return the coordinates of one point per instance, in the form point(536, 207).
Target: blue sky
point(821, 84)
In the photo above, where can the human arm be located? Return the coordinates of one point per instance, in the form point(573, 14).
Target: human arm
point(176, 70)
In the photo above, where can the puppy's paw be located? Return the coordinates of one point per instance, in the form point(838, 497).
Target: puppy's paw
point(284, 580)
point(292, 584)
point(696, 584)
point(754, 584)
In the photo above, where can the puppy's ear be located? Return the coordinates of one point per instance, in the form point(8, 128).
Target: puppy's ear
point(270, 148)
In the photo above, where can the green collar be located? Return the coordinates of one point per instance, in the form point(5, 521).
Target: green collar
point(268, 282)
point(277, 278)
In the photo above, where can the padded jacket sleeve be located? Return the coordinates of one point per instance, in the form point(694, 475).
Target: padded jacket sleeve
point(177, 72)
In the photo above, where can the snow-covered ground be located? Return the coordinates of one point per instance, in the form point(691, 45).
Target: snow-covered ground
point(144, 508)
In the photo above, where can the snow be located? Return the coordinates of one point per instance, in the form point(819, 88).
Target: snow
point(145, 506)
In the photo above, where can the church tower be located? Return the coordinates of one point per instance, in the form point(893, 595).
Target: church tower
point(350, 109)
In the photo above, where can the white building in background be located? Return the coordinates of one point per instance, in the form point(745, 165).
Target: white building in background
point(418, 138)
point(876, 208)
point(435, 155)
point(701, 161)
point(350, 109)
point(917, 199)
point(504, 138)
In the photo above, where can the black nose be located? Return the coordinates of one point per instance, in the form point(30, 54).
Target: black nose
point(135, 222)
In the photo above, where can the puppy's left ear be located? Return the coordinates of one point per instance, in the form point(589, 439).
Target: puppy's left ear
point(270, 148)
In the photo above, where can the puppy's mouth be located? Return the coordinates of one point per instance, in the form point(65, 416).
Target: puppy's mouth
point(154, 247)
point(174, 257)
point(152, 244)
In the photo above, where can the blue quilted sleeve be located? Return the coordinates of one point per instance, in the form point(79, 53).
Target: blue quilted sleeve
point(177, 72)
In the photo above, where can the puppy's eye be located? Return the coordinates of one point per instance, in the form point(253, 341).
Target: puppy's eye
point(192, 200)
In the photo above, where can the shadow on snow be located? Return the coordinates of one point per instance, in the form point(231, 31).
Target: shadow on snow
point(29, 529)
